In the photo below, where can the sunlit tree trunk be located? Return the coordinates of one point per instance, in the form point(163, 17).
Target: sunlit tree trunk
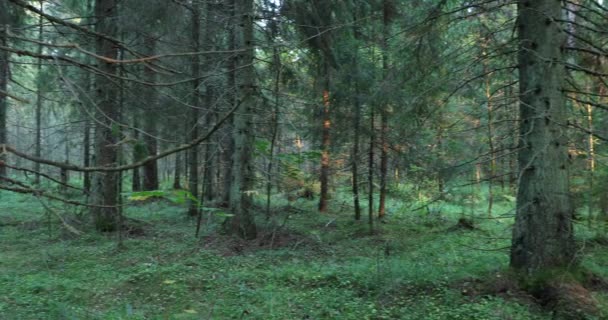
point(105, 187)
point(543, 235)
point(325, 140)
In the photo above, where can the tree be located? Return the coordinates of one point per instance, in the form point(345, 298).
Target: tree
point(543, 235)
point(241, 186)
point(105, 184)
point(4, 78)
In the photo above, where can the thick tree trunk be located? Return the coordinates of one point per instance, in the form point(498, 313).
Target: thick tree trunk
point(325, 144)
point(105, 187)
point(242, 223)
point(543, 235)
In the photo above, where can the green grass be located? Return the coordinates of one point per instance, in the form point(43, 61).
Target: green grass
point(319, 267)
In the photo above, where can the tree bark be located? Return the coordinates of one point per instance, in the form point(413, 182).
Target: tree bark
point(105, 187)
point(241, 196)
point(384, 113)
point(39, 102)
point(151, 167)
point(543, 236)
point(195, 111)
point(4, 77)
point(325, 144)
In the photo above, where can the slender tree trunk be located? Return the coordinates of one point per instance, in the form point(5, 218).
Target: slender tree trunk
point(150, 168)
point(355, 155)
point(275, 127)
point(4, 78)
point(104, 186)
point(209, 167)
point(193, 207)
point(241, 197)
point(490, 126)
point(543, 236)
point(370, 173)
point(325, 144)
point(39, 102)
point(138, 154)
point(228, 145)
point(384, 114)
point(177, 172)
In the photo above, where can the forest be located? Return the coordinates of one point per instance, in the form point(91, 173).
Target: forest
point(303, 159)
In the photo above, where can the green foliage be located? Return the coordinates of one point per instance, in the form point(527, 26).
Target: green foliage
point(323, 272)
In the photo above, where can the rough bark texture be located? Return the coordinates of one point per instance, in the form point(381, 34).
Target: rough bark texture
point(242, 223)
point(105, 187)
point(542, 236)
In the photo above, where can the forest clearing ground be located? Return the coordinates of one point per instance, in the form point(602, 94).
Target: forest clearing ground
point(306, 266)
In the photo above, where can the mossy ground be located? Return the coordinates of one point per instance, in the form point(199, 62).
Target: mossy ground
point(305, 266)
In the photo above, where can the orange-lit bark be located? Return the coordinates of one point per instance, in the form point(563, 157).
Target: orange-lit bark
point(325, 159)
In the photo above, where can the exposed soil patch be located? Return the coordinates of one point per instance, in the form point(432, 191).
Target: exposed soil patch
point(463, 224)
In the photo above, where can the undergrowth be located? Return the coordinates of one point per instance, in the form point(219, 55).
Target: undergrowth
point(304, 265)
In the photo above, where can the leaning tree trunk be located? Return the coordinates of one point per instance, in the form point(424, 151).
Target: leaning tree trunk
point(105, 186)
point(242, 223)
point(543, 235)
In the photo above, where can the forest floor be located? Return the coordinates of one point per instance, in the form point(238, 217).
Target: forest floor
point(304, 265)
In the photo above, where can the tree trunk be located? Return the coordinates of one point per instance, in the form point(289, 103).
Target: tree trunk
point(193, 206)
point(355, 155)
point(177, 172)
point(370, 173)
point(38, 142)
point(104, 189)
point(151, 167)
point(241, 196)
point(325, 144)
point(383, 113)
point(543, 237)
point(209, 167)
point(490, 125)
point(4, 77)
